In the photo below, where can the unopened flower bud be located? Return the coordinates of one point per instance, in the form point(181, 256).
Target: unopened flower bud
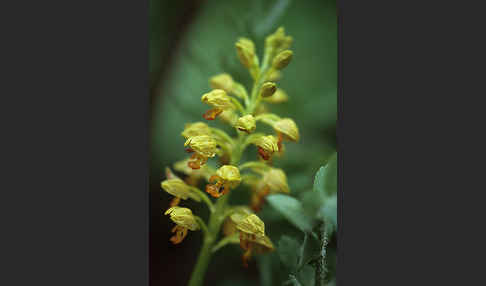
point(202, 144)
point(282, 59)
point(277, 41)
point(251, 224)
point(218, 99)
point(222, 81)
point(196, 129)
point(178, 188)
point(274, 75)
point(287, 127)
point(278, 97)
point(245, 49)
point(183, 217)
point(268, 89)
point(246, 123)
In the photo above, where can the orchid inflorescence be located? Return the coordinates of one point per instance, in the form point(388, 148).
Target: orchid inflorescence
point(230, 101)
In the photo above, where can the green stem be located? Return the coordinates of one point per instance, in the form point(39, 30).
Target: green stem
point(202, 263)
point(253, 164)
point(205, 198)
point(255, 93)
point(215, 221)
point(202, 225)
point(228, 239)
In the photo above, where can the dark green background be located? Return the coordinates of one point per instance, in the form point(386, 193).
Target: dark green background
point(189, 42)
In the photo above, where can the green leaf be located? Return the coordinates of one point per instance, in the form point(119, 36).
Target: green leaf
point(287, 250)
point(312, 202)
point(319, 180)
point(306, 276)
point(292, 210)
point(292, 281)
point(325, 181)
point(328, 211)
point(330, 182)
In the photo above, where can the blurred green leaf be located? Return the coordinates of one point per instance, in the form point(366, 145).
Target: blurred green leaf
point(325, 181)
point(287, 251)
point(312, 202)
point(292, 210)
point(306, 276)
point(330, 183)
point(328, 212)
point(319, 180)
point(292, 281)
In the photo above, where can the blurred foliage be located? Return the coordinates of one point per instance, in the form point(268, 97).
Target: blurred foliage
point(206, 49)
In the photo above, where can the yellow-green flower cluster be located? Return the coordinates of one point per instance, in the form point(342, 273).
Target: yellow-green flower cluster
point(243, 110)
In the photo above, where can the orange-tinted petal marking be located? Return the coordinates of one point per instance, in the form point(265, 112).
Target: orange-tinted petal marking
point(211, 114)
point(180, 234)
